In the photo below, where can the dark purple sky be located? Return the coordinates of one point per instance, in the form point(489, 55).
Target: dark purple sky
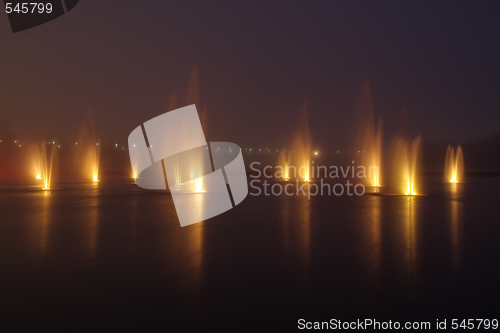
point(257, 62)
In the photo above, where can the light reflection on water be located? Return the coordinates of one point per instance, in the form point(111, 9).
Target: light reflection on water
point(304, 232)
point(93, 225)
point(410, 235)
point(43, 230)
point(375, 235)
point(456, 222)
point(120, 238)
point(295, 214)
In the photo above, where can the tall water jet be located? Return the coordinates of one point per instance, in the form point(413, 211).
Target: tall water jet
point(454, 166)
point(284, 163)
point(406, 162)
point(36, 159)
point(46, 163)
point(369, 136)
point(42, 160)
point(89, 149)
point(197, 158)
point(193, 91)
point(301, 153)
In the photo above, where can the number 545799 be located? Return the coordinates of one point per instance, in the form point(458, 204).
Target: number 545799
point(28, 7)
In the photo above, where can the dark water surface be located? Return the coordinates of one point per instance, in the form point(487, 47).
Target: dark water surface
point(100, 256)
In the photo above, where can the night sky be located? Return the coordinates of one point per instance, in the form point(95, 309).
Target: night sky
point(257, 61)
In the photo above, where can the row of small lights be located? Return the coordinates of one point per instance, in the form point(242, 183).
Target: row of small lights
point(277, 150)
point(265, 149)
point(58, 146)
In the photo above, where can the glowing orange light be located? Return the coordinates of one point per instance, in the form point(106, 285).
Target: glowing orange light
point(454, 164)
point(198, 183)
point(306, 177)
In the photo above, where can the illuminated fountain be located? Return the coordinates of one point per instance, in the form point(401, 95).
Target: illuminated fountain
point(406, 162)
point(93, 160)
point(46, 163)
point(89, 149)
point(197, 159)
point(42, 163)
point(198, 183)
point(301, 153)
point(284, 163)
point(454, 166)
point(369, 136)
point(36, 159)
point(188, 169)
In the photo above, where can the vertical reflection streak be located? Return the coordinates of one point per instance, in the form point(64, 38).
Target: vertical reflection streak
point(189, 241)
point(45, 222)
point(92, 225)
point(133, 227)
point(455, 225)
point(286, 222)
point(375, 228)
point(411, 237)
point(196, 242)
point(304, 232)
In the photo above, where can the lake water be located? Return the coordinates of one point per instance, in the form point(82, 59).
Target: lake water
point(112, 254)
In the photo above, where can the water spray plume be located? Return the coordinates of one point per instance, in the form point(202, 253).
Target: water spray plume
point(197, 159)
point(46, 163)
point(298, 158)
point(89, 149)
point(454, 164)
point(198, 185)
point(369, 136)
point(42, 161)
point(284, 163)
point(406, 162)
